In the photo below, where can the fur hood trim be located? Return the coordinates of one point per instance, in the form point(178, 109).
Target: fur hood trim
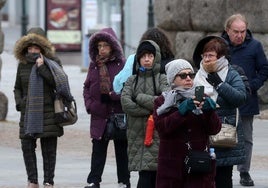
point(108, 35)
point(24, 42)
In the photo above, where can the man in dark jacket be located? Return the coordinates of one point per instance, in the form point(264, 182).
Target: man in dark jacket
point(248, 53)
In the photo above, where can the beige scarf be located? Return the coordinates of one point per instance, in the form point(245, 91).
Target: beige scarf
point(221, 67)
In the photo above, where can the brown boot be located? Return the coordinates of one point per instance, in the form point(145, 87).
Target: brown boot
point(33, 185)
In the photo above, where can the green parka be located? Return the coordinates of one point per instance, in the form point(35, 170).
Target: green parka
point(137, 101)
point(50, 129)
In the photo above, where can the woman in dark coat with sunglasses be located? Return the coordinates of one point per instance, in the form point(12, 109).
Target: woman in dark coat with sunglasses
point(183, 124)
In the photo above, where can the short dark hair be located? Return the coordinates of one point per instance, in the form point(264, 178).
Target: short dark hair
point(217, 45)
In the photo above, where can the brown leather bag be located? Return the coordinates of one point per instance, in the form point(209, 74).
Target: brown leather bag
point(65, 112)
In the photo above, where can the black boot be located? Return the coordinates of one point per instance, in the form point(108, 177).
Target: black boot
point(245, 179)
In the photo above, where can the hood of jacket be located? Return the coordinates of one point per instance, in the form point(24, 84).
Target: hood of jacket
point(108, 35)
point(24, 42)
point(157, 58)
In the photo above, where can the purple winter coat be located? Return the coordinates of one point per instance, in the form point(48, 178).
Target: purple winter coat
point(92, 97)
point(174, 131)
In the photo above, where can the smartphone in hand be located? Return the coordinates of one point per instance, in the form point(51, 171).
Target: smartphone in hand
point(199, 93)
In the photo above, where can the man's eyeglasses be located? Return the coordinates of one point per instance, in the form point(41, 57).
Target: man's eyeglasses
point(209, 56)
point(184, 75)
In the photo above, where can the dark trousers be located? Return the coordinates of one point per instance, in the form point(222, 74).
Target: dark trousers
point(247, 122)
point(147, 179)
point(224, 177)
point(49, 148)
point(98, 159)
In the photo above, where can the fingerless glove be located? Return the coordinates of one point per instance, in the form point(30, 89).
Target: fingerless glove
point(209, 104)
point(186, 106)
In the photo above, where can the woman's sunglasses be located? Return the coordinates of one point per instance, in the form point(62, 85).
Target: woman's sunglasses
point(184, 75)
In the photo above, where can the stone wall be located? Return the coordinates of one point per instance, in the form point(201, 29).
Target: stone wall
point(187, 21)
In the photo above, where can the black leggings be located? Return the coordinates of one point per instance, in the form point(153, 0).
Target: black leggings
point(49, 148)
point(147, 179)
point(98, 160)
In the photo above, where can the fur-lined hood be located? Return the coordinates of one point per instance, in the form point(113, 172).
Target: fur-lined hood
point(108, 35)
point(24, 42)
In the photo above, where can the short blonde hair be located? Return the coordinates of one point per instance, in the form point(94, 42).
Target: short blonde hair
point(234, 17)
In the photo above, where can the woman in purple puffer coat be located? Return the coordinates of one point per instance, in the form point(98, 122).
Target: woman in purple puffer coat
point(101, 101)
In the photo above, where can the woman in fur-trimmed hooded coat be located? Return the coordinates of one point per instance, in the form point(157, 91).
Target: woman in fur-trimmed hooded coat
point(101, 101)
point(29, 64)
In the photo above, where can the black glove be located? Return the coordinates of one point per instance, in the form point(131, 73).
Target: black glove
point(105, 98)
point(214, 79)
point(134, 99)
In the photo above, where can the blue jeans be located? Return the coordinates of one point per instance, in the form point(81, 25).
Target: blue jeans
point(247, 122)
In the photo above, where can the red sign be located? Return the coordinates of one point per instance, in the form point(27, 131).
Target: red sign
point(63, 24)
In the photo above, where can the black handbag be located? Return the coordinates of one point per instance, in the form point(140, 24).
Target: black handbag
point(116, 127)
point(198, 162)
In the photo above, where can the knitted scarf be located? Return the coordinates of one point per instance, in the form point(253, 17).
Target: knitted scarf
point(61, 80)
point(105, 82)
point(34, 113)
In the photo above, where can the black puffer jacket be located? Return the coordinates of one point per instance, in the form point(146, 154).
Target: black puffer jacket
point(22, 82)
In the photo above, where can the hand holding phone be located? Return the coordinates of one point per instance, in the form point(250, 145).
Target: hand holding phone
point(199, 93)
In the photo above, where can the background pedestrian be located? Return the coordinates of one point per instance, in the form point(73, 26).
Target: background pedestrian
point(248, 53)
